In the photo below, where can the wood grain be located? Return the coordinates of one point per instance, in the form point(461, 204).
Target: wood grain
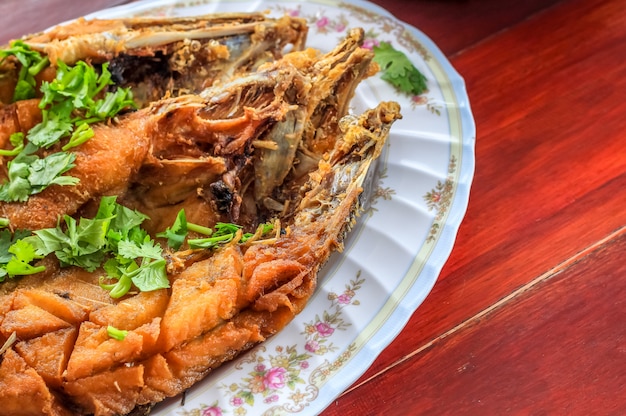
point(557, 349)
point(528, 314)
point(550, 172)
point(458, 24)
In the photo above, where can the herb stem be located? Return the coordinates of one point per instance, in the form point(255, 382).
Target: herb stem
point(35, 69)
point(118, 334)
point(199, 229)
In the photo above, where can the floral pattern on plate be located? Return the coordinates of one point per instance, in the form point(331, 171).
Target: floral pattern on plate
point(286, 377)
point(394, 254)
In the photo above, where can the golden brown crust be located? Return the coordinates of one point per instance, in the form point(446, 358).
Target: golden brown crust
point(203, 153)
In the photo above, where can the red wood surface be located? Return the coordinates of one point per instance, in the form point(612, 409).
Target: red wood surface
point(546, 92)
point(528, 314)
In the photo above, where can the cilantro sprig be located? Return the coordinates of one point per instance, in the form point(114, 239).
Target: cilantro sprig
point(398, 70)
point(32, 62)
point(222, 233)
point(69, 104)
point(112, 239)
point(16, 255)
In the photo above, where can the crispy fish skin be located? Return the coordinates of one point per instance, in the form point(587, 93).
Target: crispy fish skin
point(202, 152)
point(160, 57)
point(158, 139)
point(189, 151)
point(216, 308)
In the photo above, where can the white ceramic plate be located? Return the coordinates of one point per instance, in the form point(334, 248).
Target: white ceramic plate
point(392, 258)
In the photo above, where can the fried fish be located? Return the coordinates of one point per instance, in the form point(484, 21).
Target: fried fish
point(275, 142)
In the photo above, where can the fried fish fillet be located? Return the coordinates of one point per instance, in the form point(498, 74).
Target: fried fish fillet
point(63, 361)
point(276, 143)
point(159, 57)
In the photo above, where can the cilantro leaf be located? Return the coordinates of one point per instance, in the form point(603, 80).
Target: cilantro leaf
point(19, 264)
point(116, 271)
point(125, 224)
point(6, 240)
point(177, 233)
point(80, 245)
point(50, 130)
point(126, 220)
point(32, 63)
point(17, 140)
point(48, 171)
point(110, 105)
point(113, 240)
point(398, 70)
point(29, 174)
point(79, 136)
point(147, 249)
point(150, 275)
point(69, 104)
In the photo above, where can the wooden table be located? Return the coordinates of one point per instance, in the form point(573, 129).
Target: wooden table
point(529, 313)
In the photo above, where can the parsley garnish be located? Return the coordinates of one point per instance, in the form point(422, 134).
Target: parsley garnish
point(220, 234)
point(398, 70)
point(16, 255)
point(69, 104)
point(112, 239)
point(32, 63)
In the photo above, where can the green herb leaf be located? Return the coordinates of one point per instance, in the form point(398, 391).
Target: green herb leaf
point(147, 249)
point(48, 171)
point(69, 103)
point(54, 127)
point(6, 240)
point(23, 254)
point(82, 133)
point(151, 275)
point(82, 244)
point(32, 63)
point(177, 233)
point(17, 140)
point(398, 70)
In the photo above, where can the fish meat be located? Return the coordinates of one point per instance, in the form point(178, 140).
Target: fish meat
point(193, 151)
point(275, 142)
point(161, 57)
point(241, 296)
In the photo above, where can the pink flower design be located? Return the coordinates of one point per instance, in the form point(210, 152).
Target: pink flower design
point(275, 378)
point(212, 411)
point(324, 329)
point(344, 299)
point(311, 346)
point(369, 43)
point(259, 368)
point(304, 365)
point(340, 27)
point(236, 401)
point(294, 13)
point(323, 22)
point(272, 398)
